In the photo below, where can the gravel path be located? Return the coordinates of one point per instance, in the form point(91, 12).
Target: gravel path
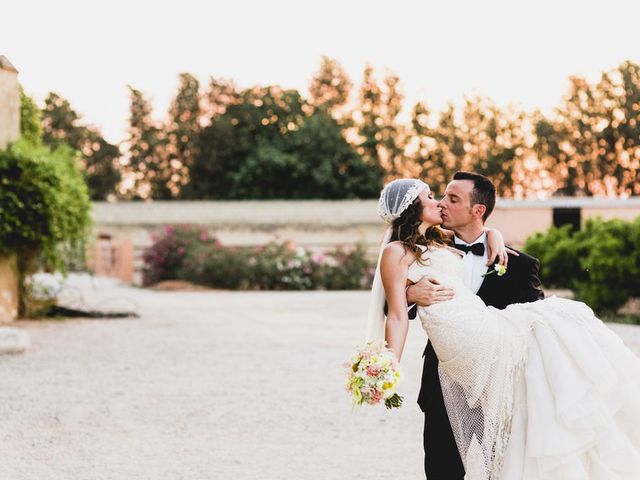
point(205, 385)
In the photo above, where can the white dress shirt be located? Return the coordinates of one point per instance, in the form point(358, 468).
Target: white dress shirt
point(474, 265)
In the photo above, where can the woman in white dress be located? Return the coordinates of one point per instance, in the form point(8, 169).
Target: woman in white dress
point(537, 391)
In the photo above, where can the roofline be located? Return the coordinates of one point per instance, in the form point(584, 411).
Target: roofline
point(5, 64)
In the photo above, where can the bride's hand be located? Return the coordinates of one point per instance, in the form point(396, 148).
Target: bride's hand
point(496, 248)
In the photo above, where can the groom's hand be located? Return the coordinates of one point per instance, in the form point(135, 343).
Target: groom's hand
point(427, 292)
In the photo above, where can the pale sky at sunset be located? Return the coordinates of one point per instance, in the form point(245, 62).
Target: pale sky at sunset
point(512, 51)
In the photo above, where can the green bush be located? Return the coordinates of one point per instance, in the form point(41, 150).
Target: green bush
point(557, 251)
point(186, 253)
point(215, 266)
point(44, 204)
point(346, 270)
point(600, 263)
point(281, 266)
point(44, 207)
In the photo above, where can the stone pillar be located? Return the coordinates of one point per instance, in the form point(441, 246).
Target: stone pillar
point(8, 289)
point(9, 103)
point(9, 131)
point(12, 340)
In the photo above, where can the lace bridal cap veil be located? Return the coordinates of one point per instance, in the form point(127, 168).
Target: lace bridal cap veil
point(394, 199)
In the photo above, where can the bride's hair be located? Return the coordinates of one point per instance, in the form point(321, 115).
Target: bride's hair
point(405, 229)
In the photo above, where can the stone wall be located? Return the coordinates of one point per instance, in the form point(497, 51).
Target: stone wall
point(9, 103)
point(9, 132)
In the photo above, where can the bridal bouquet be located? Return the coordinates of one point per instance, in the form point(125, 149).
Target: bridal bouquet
point(373, 375)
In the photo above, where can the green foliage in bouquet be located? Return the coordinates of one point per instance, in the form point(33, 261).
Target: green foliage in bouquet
point(394, 401)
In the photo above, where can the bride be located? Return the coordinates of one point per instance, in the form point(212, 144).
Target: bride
point(537, 391)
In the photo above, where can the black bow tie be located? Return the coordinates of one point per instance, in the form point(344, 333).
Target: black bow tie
point(476, 248)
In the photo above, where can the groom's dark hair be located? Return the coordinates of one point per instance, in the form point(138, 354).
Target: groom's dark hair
point(483, 191)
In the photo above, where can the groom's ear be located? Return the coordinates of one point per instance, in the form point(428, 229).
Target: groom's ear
point(478, 210)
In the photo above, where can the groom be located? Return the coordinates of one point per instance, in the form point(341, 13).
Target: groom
point(467, 203)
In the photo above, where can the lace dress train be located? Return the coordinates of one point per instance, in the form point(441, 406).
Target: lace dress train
point(537, 391)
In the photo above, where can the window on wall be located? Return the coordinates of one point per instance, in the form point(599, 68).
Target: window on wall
point(564, 216)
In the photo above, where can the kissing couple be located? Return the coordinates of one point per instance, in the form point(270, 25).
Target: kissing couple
point(515, 385)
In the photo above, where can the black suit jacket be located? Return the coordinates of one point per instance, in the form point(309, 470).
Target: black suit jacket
point(520, 284)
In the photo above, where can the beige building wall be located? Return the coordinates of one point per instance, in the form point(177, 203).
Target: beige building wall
point(610, 213)
point(9, 103)
point(516, 224)
point(313, 224)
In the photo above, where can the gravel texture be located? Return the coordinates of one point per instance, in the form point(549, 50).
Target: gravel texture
point(205, 385)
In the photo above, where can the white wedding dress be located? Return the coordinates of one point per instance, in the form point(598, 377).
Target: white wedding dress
point(537, 391)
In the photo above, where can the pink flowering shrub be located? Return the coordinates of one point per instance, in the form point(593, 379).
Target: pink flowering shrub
point(167, 254)
point(187, 253)
point(281, 266)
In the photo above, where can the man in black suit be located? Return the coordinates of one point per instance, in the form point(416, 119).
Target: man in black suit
point(467, 203)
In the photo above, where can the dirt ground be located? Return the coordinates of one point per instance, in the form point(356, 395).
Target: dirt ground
point(205, 385)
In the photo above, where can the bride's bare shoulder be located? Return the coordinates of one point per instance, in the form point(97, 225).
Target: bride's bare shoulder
point(395, 251)
point(394, 248)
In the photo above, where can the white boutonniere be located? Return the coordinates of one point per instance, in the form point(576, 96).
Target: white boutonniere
point(497, 268)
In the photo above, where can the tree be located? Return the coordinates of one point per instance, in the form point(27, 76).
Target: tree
point(382, 140)
point(260, 116)
point(369, 121)
point(481, 138)
point(444, 147)
point(100, 159)
point(268, 172)
point(183, 129)
point(330, 88)
point(314, 161)
point(573, 134)
point(223, 147)
point(148, 168)
point(392, 139)
point(591, 147)
point(428, 159)
point(30, 119)
point(618, 141)
point(266, 145)
point(222, 93)
point(329, 166)
point(494, 143)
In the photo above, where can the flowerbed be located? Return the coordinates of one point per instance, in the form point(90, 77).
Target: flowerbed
point(189, 253)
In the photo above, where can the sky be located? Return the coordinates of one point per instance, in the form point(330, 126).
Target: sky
point(515, 52)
